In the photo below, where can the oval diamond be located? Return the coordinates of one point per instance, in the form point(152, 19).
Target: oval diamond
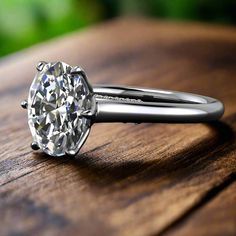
point(56, 100)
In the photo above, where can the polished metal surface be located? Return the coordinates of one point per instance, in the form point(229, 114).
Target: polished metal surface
point(128, 104)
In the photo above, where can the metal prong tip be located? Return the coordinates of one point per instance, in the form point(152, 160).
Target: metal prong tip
point(71, 153)
point(87, 114)
point(34, 146)
point(40, 65)
point(24, 104)
point(76, 70)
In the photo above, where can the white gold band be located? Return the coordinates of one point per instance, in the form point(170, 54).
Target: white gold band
point(127, 104)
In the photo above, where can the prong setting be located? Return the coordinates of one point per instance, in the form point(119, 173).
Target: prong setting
point(41, 65)
point(76, 70)
point(71, 153)
point(87, 114)
point(24, 104)
point(34, 146)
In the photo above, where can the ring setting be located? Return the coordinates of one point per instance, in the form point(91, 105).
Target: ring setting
point(62, 106)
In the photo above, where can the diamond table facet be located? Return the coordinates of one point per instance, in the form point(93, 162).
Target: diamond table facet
point(55, 103)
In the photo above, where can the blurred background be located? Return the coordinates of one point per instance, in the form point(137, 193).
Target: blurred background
point(26, 22)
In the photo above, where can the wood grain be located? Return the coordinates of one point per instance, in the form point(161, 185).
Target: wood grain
point(220, 215)
point(147, 179)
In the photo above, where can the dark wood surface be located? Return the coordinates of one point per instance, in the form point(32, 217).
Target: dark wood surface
point(147, 179)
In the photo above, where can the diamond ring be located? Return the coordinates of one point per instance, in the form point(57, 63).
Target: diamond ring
point(62, 106)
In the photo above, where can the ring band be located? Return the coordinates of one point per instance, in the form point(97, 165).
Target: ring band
point(127, 104)
point(62, 106)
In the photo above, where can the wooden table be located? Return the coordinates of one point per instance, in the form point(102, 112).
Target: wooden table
point(147, 179)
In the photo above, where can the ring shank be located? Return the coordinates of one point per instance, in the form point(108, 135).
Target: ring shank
point(128, 104)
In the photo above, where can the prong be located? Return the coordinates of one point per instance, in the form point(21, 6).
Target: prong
point(41, 65)
point(71, 153)
point(24, 104)
point(79, 71)
point(87, 114)
point(34, 146)
point(76, 70)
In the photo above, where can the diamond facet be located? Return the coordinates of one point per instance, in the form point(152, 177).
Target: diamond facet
point(56, 101)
